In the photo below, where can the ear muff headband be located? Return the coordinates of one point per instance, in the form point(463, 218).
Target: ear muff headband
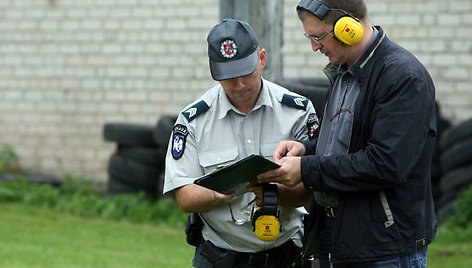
point(265, 221)
point(347, 29)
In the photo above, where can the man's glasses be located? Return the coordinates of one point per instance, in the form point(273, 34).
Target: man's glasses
point(244, 214)
point(315, 38)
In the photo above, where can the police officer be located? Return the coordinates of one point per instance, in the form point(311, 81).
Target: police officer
point(243, 115)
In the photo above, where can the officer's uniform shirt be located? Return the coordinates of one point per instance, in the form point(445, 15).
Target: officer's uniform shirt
point(211, 132)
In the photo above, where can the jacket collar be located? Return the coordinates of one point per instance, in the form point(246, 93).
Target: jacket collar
point(331, 69)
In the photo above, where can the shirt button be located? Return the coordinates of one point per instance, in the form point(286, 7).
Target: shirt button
point(249, 141)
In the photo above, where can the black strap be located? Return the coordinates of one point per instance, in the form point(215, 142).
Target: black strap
point(270, 199)
point(317, 8)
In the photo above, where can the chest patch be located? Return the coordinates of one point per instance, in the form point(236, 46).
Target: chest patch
point(179, 138)
point(312, 124)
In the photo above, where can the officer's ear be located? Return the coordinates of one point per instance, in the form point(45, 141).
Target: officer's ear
point(262, 57)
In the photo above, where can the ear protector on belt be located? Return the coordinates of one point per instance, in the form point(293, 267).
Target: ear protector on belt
point(265, 221)
point(347, 29)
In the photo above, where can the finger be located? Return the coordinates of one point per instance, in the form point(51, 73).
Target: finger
point(280, 151)
point(266, 175)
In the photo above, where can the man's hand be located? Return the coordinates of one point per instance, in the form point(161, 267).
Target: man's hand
point(289, 174)
point(288, 148)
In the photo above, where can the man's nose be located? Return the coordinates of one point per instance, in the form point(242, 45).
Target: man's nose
point(315, 46)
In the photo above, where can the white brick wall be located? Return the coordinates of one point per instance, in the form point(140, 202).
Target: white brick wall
point(66, 70)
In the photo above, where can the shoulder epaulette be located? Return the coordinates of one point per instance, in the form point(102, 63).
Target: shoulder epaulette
point(295, 101)
point(195, 110)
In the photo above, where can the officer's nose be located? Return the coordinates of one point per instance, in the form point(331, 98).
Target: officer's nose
point(238, 83)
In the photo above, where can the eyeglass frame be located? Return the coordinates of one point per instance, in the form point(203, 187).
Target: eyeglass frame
point(317, 39)
point(242, 221)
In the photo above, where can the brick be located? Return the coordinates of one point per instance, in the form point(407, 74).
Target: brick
point(66, 71)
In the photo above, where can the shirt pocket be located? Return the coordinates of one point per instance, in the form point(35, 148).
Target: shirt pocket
point(212, 160)
point(344, 131)
point(267, 149)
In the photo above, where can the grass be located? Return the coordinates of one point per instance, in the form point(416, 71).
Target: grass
point(443, 254)
point(39, 237)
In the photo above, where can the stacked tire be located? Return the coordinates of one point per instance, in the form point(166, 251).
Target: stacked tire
point(456, 164)
point(436, 171)
point(138, 163)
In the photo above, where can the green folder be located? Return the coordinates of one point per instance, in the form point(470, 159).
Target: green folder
point(237, 177)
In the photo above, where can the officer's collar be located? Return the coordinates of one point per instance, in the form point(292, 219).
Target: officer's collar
point(226, 105)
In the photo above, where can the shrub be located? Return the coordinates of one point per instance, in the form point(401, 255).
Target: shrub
point(459, 225)
point(9, 160)
point(462, 216)
point(78, 196)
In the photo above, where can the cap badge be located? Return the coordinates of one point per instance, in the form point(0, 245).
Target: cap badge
point(228, 49)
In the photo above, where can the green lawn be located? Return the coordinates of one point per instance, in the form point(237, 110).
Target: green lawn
point(36, 237)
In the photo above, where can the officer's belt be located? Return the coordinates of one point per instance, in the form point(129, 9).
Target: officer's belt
point(265, 257)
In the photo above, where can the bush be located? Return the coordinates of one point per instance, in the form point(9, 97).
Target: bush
point(462, 216)
point(459, 225)
point(9, 160)
point(80, 197)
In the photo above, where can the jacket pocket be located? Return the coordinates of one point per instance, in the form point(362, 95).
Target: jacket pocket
point(212, 160)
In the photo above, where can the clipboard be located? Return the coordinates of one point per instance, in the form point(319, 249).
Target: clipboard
point(237, 177)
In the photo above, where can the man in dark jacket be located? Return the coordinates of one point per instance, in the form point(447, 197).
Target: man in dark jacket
point(369, 168)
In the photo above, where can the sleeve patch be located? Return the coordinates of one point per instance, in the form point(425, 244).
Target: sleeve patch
point(196, 110)
point(295, 101)
point(312, 124)
point(179, 138)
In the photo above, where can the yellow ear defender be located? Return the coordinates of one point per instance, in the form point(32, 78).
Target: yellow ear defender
point(347, 29)
point(265, 221)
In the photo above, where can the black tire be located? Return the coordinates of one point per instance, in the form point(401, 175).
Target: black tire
point(436, 172)
point(314, 89)
point(457, 155)
point(456, 134)
point(446, 198)
point(116, 186)
point(133, 173)
point(456, 179)
point(163, 130)
point(446, 211)
point(129, 134)
point(145, 155)
point(31, 177)
point(160, 184)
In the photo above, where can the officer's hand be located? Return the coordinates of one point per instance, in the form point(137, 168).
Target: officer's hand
point(289, 174)
point(220, 197)
point(288, 148)
point(258, 191)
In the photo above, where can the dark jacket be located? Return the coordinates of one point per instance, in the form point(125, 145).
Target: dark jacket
point(385, 207)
